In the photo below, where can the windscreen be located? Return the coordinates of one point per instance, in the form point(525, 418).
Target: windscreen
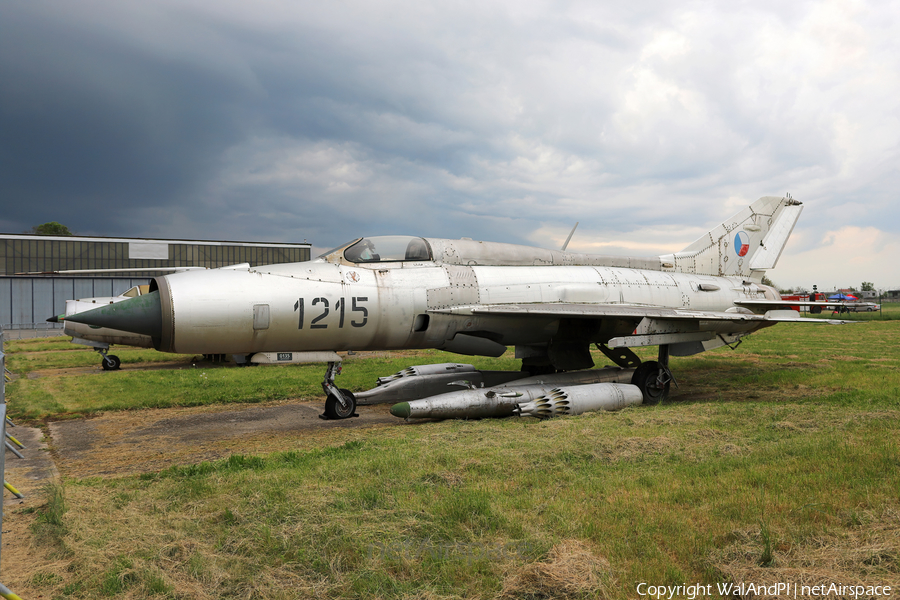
point(388, 248)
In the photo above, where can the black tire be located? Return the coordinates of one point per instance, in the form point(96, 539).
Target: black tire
point(334, 410)
point(645, 377)
point(111, 362)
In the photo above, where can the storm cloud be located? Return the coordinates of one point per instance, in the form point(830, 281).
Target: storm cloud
point(509, 121)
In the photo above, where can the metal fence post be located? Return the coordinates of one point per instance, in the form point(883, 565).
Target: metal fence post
point(4, 591)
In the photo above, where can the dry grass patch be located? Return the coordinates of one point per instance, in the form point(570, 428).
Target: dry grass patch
point(573, 569)
point(636, 449)
point(865, 554)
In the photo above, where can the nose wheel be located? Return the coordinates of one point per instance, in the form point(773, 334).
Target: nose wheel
point(109, 362)
point(334, 409)
point(339, 403)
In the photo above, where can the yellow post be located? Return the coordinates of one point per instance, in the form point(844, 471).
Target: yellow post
point(5, 593)
point(12, 489)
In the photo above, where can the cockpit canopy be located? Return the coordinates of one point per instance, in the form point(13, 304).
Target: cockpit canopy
point(388, 248)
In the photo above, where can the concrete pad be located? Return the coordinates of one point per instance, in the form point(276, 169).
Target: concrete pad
point(141, 441)
point(30, 474)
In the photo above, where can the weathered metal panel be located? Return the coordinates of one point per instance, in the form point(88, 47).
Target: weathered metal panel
point(83, 287)
point(42, 300)
point(63, 289)
point(20, 302)
point(120, 286)
point(5, 301)
point(104, 287)
point(463, 288)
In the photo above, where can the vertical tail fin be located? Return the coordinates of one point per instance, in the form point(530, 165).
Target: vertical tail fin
point(743, 246)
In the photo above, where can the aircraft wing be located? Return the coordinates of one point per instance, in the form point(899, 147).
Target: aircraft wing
point(686, 331)
point(630, 311)
point(124, 270)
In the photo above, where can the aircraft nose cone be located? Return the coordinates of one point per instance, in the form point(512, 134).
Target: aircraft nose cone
point(401, 410)
point(141, 315)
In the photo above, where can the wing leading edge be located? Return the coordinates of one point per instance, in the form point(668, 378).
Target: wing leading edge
point(631, 311)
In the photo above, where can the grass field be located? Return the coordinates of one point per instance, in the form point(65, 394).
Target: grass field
point(777, 462)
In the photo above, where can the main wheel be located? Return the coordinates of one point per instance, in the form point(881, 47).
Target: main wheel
point(334, 409)
point(646, 377)
point(110, 362)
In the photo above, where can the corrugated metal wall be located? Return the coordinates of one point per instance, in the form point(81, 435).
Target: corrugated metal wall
point(27, 302)
point(28, 254)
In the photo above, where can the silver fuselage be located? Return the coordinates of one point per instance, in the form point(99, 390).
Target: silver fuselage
point(322, 305)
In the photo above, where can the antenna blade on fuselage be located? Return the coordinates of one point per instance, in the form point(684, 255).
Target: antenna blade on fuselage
point(568, 239)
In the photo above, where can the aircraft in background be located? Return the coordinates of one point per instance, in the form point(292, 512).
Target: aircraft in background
point(100, 338)
point(478, 298)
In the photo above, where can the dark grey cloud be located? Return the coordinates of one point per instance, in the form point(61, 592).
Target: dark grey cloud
point(647, 122)
point(92, 126)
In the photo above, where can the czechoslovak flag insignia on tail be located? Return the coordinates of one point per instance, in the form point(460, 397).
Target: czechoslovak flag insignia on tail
point(741, 243)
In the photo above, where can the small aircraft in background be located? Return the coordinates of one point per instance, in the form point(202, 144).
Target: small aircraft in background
point(478, 298)
point(100, 338)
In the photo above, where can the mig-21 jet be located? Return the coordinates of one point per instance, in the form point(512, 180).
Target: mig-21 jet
point(479, 298)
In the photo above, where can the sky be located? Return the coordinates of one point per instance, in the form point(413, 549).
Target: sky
point(647, 122)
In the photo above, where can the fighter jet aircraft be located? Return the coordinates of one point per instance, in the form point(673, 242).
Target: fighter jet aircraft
point(479, 298)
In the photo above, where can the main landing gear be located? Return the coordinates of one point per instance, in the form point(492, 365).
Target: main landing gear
point(654, 378)
point(339, 403)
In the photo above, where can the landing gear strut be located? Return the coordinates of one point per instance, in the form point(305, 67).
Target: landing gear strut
point(339, 403)
point(110, 362)
point(654, 378)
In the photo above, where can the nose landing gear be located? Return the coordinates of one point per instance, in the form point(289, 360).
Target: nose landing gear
point(110, 362)
point(339, 403)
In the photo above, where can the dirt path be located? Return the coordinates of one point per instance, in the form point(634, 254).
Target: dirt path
point(120, 443)
point(129, 442)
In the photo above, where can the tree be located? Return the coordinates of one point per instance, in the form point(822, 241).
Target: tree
point(868, 286)
point(51, 228)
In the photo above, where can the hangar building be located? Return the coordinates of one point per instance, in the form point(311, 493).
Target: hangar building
point(32, 289)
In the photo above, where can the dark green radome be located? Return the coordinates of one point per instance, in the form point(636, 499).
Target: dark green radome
point(141, 315)
point(401, 409)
